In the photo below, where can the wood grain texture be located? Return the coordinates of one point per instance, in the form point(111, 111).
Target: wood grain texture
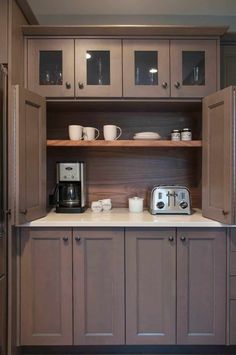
point(98, 276)
point(124, 30)
point(46, 286)
point(201, 286)
point(121, 172)
point(150, 286)
point(124, 143)
point(4, 30)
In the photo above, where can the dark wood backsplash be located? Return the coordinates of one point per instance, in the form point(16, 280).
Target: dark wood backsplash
point(120, 173)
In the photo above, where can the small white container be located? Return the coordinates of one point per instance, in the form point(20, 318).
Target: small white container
point(106, 204)
point(136, 204)
point(186, 134)
point(96, 206)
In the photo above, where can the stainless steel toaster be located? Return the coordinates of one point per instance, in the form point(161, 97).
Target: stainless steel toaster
point(170, 199)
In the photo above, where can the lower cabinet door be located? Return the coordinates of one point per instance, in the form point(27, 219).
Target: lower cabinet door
point(201, 286)
point(46, 286)
point(98, 275)
point(150, 285)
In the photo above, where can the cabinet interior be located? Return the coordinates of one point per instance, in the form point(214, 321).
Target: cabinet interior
point(122, 172)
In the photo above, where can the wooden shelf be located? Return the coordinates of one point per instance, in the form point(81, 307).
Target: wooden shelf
point(125, 143)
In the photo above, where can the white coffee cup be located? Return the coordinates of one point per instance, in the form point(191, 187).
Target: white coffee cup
point(96, 206)
point(75, 132)
point(110, 132)
point(136, 204)
point(106, 204)
point(89, 133)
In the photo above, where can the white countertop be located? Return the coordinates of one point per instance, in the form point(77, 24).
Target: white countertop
point(121, 217)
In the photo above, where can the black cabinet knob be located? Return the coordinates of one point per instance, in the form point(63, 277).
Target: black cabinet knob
point(68, 85)
point(78, 239)
point(24, 211)
point(182, 239)
point(171, 239)
point(177, 85)
point(164, 85)
point(80, 85)
point(65, 239)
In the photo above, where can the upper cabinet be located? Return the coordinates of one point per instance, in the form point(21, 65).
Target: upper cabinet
point(98, 68)
point(193, 68)
point(175, 68)
point(152, 68)
point(50, 69)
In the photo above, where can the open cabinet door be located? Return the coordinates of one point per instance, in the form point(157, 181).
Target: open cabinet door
point(30, 155)
point(218, 156)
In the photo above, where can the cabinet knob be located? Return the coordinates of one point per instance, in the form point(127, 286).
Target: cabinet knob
point(225, 212)
point(80, 85)
point(177, 84)
point(164, 84)
point(24, 211)
point(65, 239)
point(78, 239)
point(68, 85)
point(171, 239)
point(182, 239)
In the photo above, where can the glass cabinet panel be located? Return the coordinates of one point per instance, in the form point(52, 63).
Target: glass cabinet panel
point(50, 68)
point(193, 68)
point(146, 67)
point(98, 67)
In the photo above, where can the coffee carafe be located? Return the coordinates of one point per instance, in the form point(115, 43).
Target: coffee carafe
point(70, 194)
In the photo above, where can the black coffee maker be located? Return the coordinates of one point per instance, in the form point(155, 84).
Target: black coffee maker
point(69, 194)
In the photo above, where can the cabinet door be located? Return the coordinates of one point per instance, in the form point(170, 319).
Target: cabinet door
point(30, 150)
point(98, 68)
point(98, 273)
point(194, 68)
point(150, 286)
point(146, 68)
point(201, 285)
point(46, 286)
point(50, 67)
point(218, 154)
point(228, 68)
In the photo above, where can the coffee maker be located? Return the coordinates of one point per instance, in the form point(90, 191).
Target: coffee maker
point(69, 195)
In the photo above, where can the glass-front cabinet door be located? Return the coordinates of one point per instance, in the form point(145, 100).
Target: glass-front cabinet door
point(51, 67)
point(98, 68)
point(193, 68)
point(146, 68)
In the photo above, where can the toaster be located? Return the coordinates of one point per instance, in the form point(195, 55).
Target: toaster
point(170, 199)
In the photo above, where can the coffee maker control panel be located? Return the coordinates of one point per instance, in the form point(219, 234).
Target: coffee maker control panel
point(68, 172)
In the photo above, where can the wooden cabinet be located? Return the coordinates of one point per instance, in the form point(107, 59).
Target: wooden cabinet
point(152, 267)
point(46, 286)
point(98, 277)
point(56, 309)
point(68, 67)
point(3, 31)
point(228, 69)
point(30, 150)
point(50, 67)
point(160, 68)
point(150, 286)
point(232, 287)
point(191, 72)
point(201, 285)
point(218, 188)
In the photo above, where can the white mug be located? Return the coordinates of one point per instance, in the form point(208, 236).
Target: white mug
point(75, 132)
point(106, 204)
point(89, 133)
point(110, 132)
point(96, 206)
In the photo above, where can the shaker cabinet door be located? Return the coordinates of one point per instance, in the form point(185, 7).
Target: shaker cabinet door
point(30, 155)
point(98, 68)
point(146, 68)
point(98, 278)
point(46, 286)
point(194, 70)
point(150, 286)
point(218, 189)
point(50, 67)
point(201, 286)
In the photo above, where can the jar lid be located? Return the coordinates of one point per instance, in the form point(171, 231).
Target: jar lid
point(186, 130)
point(176, 130)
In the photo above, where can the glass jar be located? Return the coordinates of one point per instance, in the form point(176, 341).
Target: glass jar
point(175, 135)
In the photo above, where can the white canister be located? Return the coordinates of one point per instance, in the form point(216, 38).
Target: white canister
point(186, 134)
point(136, 204)
point(96, 206)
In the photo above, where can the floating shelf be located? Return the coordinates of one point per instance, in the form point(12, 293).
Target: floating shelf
point(125, 143)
